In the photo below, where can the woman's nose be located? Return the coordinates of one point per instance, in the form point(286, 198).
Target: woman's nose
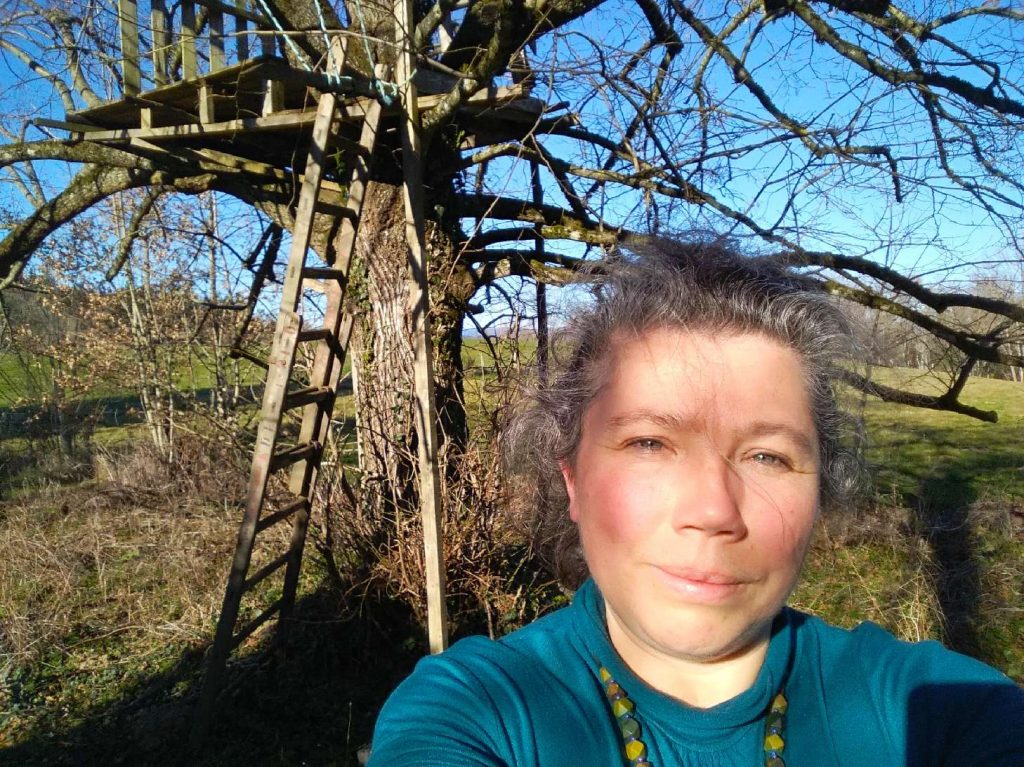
point(710, 498)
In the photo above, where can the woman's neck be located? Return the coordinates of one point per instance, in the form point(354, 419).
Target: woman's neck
point(700, 683)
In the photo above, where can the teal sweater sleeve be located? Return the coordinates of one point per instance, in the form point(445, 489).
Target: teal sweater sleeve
point(442, 715)
point(953, 710)
point(921, 703)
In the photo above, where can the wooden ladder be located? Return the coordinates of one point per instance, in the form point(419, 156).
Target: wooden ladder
point(282, 395)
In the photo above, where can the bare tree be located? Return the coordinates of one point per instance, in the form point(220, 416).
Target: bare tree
point(873, 144)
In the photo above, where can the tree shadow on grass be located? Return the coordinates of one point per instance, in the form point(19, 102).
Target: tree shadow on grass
point(314, 705)
point(942, 508)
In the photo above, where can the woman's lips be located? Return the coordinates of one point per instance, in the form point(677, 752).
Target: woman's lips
point(701, 585)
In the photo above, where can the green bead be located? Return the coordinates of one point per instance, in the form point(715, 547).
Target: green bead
point(630, 728)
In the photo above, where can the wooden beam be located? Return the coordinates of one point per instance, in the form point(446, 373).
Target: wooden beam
point(423, 376)
point(73, 127)
point(189, 32)
point(161, 41)
point(239, 11)
point(241, 31)
point(215, 23)
point(128, 15)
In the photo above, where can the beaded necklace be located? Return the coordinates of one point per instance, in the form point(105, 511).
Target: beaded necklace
point(624, 711)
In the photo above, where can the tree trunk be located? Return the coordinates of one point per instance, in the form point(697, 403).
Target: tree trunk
point(382, 352)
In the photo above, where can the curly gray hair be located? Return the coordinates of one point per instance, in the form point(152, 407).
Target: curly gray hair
point(705, 288)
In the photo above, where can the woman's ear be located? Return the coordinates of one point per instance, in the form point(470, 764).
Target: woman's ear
point(570, 488)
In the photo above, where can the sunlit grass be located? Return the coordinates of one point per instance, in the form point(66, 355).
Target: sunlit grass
point(915, 452)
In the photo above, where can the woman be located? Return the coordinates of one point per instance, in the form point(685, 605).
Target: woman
point(679, 461)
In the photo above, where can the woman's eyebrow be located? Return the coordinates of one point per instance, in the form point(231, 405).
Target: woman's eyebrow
point(667, 420)
point(802, 440)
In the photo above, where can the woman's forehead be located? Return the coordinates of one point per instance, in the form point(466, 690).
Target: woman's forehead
point(678, 376)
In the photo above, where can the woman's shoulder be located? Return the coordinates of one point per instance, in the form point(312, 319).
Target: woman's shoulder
point(877, 650)
point(927, 699)
point(531, 648)
point(507, 684)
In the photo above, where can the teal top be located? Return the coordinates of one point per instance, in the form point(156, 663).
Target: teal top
point(856, 697)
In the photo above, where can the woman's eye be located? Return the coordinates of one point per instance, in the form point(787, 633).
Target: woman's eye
point(646, 444)
point(770, 459)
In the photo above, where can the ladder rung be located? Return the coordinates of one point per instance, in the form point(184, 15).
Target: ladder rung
point(266, 570)
point(258, 621)
point(282, 513)
point(305, 396)
point(316, 334)
point(323, 334)
point(325, 273)
point(293, 455)
point(238, 352)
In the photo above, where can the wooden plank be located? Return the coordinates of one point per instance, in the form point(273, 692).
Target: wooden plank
point(426, 417)
point(268, 42)
point(238, 10)
point(73, 127)
point(189, 32)
point(253, 73)
point(215, 23)
point(256, 622)
point(302, 231)
point(306, 396)
point(128, 15)
point(265, 571)
point(161, 41)
point(273, 97)
point(207, 105)
point(271, 519)
point(293, 455)
point(345, 241)
point(241, 31)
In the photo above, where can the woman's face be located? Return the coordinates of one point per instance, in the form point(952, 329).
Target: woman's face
point(695, 489)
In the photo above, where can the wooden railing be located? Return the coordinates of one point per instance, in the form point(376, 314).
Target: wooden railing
point(162, 44)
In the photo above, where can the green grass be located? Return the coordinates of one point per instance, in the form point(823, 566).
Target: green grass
point(929, 454)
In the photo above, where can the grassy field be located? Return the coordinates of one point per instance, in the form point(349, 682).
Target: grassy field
point(110, 586)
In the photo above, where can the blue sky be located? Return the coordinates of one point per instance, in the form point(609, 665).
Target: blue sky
point(833, 206)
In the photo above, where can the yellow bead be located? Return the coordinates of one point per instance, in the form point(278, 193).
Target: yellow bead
point(635, 749)
point(779, 704)
point(605, 674)
point(773, 743)
point(622, 706)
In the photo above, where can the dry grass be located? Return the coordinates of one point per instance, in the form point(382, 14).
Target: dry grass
point(885, 566)
point(99, 581)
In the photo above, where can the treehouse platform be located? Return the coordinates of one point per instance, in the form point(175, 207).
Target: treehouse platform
point(183, 86)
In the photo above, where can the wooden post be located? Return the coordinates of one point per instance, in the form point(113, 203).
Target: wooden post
point(241, 33)
point(188, 40)
point(426, 419)
point(542, 296)
point(268, 43)
point(158, 20)
point(128, 13)
point(216, 22)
